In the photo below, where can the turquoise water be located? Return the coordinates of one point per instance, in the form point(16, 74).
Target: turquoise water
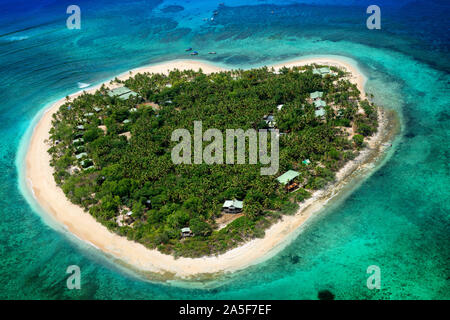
point(397, 219)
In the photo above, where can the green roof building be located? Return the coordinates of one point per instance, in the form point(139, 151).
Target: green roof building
point(233, 206)
point(288, 177)
point(122, 93)
point(322, 71)
point(81, 155)
point(186, 232)
point(320, 113)
point(316, 95)
point(319, 103)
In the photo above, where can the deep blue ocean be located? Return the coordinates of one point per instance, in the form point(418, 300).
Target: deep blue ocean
point(397, 219)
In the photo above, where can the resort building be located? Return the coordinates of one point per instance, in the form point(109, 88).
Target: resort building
point(81, 155)
point(123, 93)
point(316, 95)
point(288, 180)
point(233, 206)
point(186, 232)
point(322, 71)
point(86, 163)
point(319, 103)
point(320, 113)
point(270, 121)
point(97, 109)
point(279, 107)
point(81, 140)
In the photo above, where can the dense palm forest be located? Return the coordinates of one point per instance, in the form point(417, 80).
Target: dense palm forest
point(112, 156)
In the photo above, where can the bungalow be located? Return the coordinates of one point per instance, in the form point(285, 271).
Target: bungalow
point(288, 180)
point(126, 121)
point(123, 93)
point(320, 113)
point(233, 206)
point(279, 107)
point(81, 140)
point(319, 104)
point(86, 163)
point(306, 161)
point(97, 109)
point(124, 218)
point(322, 71)
point(90, 114)
point(133, 110)
point(80, 127)
point(81, 155)
point(316, 95)
point(186, 232)
point(270, 121)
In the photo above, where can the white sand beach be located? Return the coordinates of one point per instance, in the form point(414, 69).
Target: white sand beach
point(84, 226)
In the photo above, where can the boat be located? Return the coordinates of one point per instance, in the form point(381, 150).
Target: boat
point(188, 49)
point(212, 52)
point(195, 53)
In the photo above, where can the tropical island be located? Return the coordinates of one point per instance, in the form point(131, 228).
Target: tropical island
point(111, 151)
point(71, 146)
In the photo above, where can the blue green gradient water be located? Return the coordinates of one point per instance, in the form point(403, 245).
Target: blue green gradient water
point(397, 219)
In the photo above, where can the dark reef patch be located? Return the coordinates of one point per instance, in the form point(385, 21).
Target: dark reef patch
point(172, 9)
point(325, 295)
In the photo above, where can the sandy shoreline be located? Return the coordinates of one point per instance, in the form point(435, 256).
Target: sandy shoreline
point(52, 199)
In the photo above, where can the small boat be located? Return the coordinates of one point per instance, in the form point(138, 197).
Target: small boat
point(195, 53)
point(188, 49)
point(216, 13)
point(212, 52)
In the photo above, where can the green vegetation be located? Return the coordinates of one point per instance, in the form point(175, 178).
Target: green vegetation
point(112, 156)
